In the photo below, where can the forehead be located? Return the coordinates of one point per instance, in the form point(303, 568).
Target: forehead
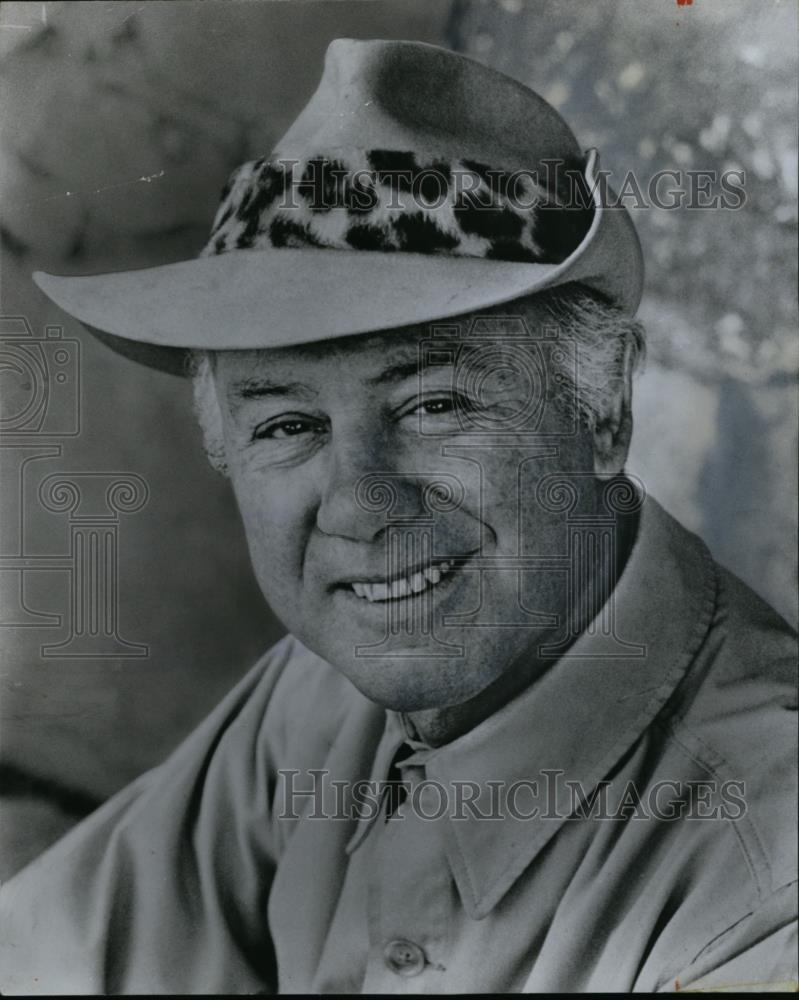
point(363, 355)
point(370, 357)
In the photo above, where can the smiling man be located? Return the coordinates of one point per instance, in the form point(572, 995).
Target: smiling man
point(308, 433)
point(524, 734)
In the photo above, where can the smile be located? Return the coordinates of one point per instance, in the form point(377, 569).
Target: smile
point(402, 586)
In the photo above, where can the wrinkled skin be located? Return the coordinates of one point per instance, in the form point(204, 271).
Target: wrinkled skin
point(302, 426)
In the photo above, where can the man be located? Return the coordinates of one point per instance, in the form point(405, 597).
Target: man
point(524, 734)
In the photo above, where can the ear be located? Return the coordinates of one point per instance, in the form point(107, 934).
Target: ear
point(208, 411)
point(613, 430)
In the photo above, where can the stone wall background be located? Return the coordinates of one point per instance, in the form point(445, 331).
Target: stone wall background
point(120, 123)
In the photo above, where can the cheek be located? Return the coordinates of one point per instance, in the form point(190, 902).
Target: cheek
point(527, 492)
point(274, 517)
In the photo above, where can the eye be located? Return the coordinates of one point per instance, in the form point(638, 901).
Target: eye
point(438, 406)
point(290, 426)
point(442, 405)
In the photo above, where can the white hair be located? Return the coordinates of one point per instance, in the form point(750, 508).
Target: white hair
point(604, 337)
point(207, 409)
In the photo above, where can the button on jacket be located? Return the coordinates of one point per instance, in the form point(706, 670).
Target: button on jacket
point(626, 823)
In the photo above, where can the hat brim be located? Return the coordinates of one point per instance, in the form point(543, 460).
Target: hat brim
point(255, 299)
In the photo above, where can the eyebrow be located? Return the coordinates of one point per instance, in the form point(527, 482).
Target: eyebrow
point(406, 369)
point(261, 387)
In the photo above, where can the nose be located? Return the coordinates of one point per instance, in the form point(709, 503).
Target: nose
point(362, 489)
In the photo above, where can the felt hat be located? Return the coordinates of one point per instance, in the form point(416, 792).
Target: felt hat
point(415, 185)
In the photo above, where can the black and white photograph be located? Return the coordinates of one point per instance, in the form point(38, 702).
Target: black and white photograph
point(398, 496)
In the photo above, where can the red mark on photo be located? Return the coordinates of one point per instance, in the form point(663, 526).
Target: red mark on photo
point(685, 3)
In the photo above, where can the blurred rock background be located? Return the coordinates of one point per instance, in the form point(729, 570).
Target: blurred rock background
point(120, 123)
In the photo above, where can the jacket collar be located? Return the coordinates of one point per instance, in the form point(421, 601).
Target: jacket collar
point(574, 723)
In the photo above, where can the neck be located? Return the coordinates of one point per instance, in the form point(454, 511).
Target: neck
point(437, 726)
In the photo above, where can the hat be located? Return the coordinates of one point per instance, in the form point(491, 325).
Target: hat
point(416, 184)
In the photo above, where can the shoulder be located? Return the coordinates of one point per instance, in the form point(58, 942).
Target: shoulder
point(304, 702)
point(289, 705)
point(288, 686)
point(754, 631)
point(735, 715)
point(744, 676)
point(730, 731)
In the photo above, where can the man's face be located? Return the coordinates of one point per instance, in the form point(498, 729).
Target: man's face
point(386, 489)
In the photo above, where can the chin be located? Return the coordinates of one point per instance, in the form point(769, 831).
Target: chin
point(411, 682)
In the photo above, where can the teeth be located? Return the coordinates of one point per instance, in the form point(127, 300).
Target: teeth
point(404, 586)
point(400, 588)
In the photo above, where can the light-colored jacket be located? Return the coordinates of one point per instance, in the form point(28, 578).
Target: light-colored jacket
point(642, 833)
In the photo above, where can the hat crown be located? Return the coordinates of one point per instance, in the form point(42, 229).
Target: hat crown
point(410, 95)
point(403, 147)
point(408, 147)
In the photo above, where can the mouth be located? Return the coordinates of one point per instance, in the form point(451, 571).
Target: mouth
point(403, 586)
